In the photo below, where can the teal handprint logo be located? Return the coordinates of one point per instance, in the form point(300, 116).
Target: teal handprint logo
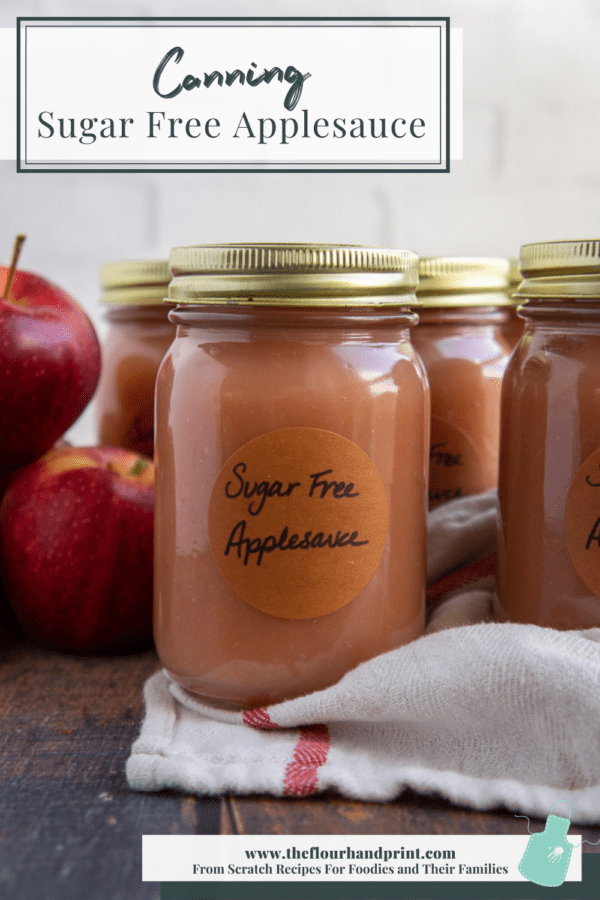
point(548, 852)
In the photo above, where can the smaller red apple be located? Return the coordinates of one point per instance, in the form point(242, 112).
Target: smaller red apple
point(76, 549)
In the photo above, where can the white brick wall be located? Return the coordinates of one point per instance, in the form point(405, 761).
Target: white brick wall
point(530, 170)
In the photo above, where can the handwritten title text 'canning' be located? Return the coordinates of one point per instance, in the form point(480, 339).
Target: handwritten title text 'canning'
point(251, 78)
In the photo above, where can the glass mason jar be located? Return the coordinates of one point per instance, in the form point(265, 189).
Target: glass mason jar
point(513, 329)
point(139, 335)
point(549, 484)
point(465, 306)
point(291, 434)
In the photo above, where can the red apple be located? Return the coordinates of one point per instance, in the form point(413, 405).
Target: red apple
point(7, 616)
point(8, 620)
point(76, 549)
point(49, 366)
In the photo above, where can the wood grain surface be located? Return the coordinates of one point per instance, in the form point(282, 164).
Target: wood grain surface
point(409, 814)
point(70, 827)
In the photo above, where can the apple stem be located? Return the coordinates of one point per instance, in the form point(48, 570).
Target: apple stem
point(139, 466)
point(13, 266)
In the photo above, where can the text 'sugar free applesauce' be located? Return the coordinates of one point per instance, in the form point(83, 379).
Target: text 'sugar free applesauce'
point(292, 428)
point(138, 337)
point(549, 483)
point(464, 308)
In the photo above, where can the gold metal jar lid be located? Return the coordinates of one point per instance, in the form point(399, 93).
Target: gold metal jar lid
point(514, 276)
point(135, 282)
point(454, 281)
point(293, 275)
point(554, 270)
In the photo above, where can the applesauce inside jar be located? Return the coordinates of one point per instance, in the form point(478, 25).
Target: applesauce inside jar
point(139, 335)
point(549, 485)
point(460, 337)
point(291, 450)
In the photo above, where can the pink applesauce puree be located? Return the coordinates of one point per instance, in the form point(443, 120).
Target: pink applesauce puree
point(549, 485)
point(291, 449)
point(139, 335)
point(461, 342)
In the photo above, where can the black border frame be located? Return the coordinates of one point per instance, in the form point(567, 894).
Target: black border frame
point(24, 168)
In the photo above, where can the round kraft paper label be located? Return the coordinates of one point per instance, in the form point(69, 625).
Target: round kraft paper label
point(455, 468)
point(582, 522)
point(298, 521)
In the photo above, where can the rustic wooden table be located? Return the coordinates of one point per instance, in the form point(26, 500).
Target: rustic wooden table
point(70, 827)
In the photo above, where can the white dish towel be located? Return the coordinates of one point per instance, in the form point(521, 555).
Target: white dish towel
point(480, 713)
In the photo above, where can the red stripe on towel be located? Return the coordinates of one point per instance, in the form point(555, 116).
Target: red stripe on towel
point(259, 718)
point(310, 753)
point(461, 577)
